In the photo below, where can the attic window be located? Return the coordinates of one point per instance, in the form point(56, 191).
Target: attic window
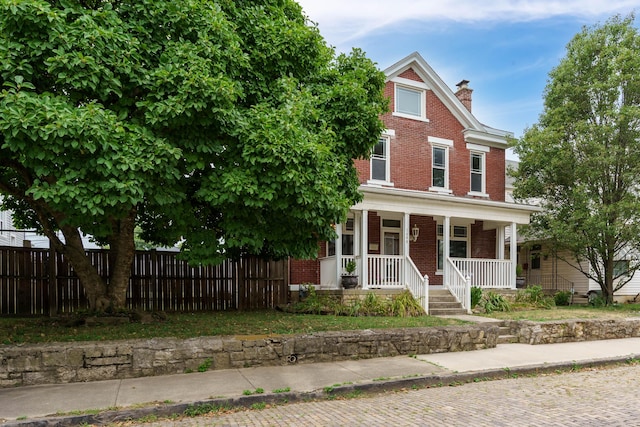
point(410, 99)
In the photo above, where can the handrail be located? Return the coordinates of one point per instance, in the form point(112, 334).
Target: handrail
point(458, 284)
point(417, 284)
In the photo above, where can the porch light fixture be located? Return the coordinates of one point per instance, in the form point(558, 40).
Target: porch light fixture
point(415, 232)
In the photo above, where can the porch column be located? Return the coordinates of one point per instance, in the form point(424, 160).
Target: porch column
point(364, 249)
point(406, 231)
point(513, 252)
point(500, 239)
point(338, 255)
point(446, 250)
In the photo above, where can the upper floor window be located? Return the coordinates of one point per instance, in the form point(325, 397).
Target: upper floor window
point(381, 160)
point(410, 99)
point(439, 167)
point(440, 164)
point(478, 170)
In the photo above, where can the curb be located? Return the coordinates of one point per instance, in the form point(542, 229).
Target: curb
point(167, 410)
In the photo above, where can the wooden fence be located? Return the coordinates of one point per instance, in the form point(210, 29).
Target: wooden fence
point(42, 282)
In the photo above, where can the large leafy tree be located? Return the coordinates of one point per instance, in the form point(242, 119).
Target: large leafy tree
point(582, 160)
point(229, 125)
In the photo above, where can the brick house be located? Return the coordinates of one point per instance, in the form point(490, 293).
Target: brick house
point(435, 185)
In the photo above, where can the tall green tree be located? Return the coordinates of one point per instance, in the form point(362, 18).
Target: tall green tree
point(228, 125)
point(582, 160)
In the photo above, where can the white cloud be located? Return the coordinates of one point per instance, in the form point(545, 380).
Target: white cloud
point(341, 20)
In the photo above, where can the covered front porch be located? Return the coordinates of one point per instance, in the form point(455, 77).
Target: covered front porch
point(398, 239)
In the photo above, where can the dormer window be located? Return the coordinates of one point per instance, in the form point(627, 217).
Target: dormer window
point(410, 99)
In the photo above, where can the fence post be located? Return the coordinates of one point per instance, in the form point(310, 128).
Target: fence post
point(425, 283)
point(467, 293)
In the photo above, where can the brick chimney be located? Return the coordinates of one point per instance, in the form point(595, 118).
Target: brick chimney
point(464, 94)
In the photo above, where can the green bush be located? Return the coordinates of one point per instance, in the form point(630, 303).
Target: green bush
point(476, 295)
point(534, 296)
point(562, 298)
point(492, 301)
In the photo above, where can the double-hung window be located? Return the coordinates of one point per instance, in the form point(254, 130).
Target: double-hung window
point(410, 99)
point(440, 164)
point(381, 160)
point(478, 170)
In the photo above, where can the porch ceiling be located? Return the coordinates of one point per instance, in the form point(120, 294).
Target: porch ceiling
point(437, 205)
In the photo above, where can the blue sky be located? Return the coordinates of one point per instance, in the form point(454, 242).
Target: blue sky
point(505, 48)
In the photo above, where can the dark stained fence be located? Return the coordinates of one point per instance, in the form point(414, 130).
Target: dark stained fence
point(42, 282)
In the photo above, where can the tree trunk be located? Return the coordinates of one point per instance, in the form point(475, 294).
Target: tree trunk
point(94, 286)
point(122, 250)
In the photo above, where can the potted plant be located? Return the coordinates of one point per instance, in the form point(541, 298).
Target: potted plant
point(519, 277)
point(350, 280)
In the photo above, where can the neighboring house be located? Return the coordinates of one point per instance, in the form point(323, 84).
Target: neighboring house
point(542, 267)
point(434, 197)
point(9, 236)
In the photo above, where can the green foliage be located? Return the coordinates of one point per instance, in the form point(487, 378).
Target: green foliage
point(492, 301)
point(534, 296)
point(204, 367)
point(562, 298)
point(476, 295)
point(350, 267)
point(231, 125)
point(401, 305)
point(582, 160)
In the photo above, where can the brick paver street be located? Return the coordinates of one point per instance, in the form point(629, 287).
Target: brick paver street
point(594, 397)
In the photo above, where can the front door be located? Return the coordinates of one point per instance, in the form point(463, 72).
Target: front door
point(391, 232)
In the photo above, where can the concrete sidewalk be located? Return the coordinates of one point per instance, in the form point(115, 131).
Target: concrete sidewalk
point(165, 395)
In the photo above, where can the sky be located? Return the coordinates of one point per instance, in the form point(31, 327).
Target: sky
point(505, 48)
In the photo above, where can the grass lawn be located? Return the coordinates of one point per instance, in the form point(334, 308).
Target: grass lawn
point(188, 325)
point(621, 311)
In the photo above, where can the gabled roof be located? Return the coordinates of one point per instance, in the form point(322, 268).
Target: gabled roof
point(474, 132)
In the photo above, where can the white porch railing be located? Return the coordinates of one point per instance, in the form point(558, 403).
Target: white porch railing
point(418, 285)
point(486, 273)
point(385, 271)
point(457, 284)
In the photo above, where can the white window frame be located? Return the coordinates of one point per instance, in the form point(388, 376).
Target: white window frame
point(452, 237)
point(386, 136)
point(444, 144)
point(415, 86)
point(480, 151)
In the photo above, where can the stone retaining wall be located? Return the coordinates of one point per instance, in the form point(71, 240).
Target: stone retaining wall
point(573, 330)
point(90, 361)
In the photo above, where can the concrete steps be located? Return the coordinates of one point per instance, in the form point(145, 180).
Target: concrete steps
point(505, 336)
point(442, 303)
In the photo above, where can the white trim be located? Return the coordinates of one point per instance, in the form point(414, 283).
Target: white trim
point(387, 163)
point(483, 173)
point(440, 141)
point(409, 116)
point(389, 132)
point(413, 87)
point(476, 147)
point(411, 83)
point(446, 148)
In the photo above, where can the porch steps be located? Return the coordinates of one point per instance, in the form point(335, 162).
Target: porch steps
point(442, 303)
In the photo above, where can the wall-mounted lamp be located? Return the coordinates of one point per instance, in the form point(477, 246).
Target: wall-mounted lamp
point(415, 232)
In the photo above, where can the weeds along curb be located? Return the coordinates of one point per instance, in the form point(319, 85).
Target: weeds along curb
point(330, 392)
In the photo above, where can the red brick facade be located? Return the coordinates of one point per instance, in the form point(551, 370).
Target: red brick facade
point(411, 168)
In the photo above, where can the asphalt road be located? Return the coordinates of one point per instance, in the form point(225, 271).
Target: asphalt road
point(608, 396)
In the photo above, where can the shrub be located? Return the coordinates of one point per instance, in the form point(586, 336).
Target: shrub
point(534, 296)
point(405, 305)
point(492, 301)
point(476, 294)
point(562, 297)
